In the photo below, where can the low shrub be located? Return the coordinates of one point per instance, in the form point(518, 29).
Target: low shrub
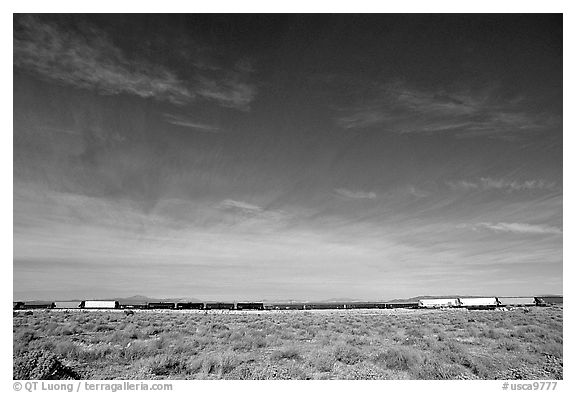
point(290, 353)
point(399, 358)
point(348, 354)
point(41, 365)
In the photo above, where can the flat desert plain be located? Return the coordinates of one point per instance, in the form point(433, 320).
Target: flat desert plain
point(522, 343)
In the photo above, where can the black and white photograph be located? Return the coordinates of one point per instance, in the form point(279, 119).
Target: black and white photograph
point(287, 196)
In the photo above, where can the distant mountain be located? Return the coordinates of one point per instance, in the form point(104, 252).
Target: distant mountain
point(340, 300)
point(146, 299)
point(136, 299)
point(283, 301)
point(417, 298)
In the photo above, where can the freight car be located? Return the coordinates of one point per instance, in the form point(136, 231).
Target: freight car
point(516, 301)
point(249, 306)
point(68, 305)
point(358, 305)
point(285, 306)
point(99, 304)
point(325, 306)
point(402, 305)
point(219, 306)
point(190, 306)
point(162, 305)
point(438, 303)
point(134, 305)
point(478, 303)
point(34, 305)
point(549, 300)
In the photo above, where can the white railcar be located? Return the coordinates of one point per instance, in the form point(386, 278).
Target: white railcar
point(478, 302)
point(99, 304)
point(438, 303)
point(516, 301)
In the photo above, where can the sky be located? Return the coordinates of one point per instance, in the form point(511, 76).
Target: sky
point(275, 157)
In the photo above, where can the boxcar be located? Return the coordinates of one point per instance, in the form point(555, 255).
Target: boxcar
point(438, 303)
point(285, 306)
point(516, 301)
point(249, 306)
point(402, 305)
point(17, 305)
point(37, 304)
point(99, 304)
point(161, 305)
point(190, 306)
point(219, 306)
point(68, 305)
point(478, 303)
point(356, 305)
point(549, 300)
point(133, 305)
point(325, 306)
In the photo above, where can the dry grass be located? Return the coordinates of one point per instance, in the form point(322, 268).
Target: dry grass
point(347, 344)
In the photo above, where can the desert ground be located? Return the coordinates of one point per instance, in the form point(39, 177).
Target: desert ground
point(523, 343)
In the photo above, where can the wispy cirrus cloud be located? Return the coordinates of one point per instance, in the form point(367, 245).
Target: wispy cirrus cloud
point(416, 192)
point(252, 217)
point(355, 194)
point(231, 93)
point(399, 108)
point(183, 121)
point(240, 206)
point(520, 228)
point(487, 183)
point(90, 60)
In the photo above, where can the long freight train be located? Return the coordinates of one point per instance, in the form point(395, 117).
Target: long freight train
point(428, 303)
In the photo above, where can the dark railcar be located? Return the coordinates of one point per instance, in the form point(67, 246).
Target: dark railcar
point(367, 305)
point(134, 306)
point(219, 306)
point(190, 306)
point(324, 306)
point(249, 306)
point(161, 305)
point(68, 304)
point(35, 305)
point(286, 306)
point(18, 305)
point(403, 305)
point(549, 300)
